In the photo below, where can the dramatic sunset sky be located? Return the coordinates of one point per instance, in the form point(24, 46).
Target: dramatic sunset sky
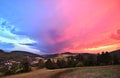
point(54, 26)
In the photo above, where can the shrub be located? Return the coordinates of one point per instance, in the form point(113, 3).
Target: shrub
point(41, 64)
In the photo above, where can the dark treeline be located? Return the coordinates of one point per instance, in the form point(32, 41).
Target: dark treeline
point(78, 61)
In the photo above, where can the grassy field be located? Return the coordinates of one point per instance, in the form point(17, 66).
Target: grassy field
point(81, 72)
point(90, 72)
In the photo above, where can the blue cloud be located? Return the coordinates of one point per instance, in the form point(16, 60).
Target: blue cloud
point(36, 19)
point(13, 41)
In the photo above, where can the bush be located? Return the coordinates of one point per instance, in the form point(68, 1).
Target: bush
point(41, 64)
point(61, 63)
point(5, 70)
point(25, 66)
point(50, 64)
point(79, 64)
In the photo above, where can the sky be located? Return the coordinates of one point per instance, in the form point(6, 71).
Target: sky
point(55, 26)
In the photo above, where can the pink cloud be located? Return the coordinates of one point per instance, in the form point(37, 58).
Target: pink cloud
point(83, 25)
point(90, 23)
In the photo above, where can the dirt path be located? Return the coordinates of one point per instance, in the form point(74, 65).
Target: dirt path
point(42, 73)
point(81, 72)
point(62, 73)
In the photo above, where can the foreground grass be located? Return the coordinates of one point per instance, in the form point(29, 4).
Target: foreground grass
point(90, 72)
point(81, 72)
point(41, 73)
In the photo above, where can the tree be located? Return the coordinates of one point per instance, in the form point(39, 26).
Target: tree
point(104, 59)
point(79, 57)
point(115, 59)
point(25, 65)
point(90, 61)
point(50, 64)
point(107, 58)
point(79, 64)
point(71, 62)
point(61, 63)
point(14, 68)
point(98, 59)
point(4, 70)
point(79, 60)
point(41, 64)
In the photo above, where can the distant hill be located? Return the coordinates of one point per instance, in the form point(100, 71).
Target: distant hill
point(1, 52)
point(116, 53)
point(69, 54)
point(16, 55)
point(59, 55)
point(66, 54)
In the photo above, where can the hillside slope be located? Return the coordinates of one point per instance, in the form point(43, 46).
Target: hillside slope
point(16, 55)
